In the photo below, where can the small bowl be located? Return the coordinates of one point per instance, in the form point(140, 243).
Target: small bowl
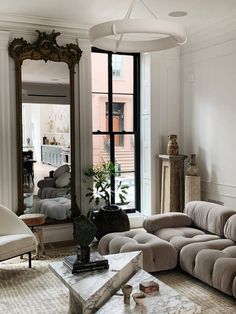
point(138, 297)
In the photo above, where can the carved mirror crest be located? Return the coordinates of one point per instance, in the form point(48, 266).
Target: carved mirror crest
point(46, 143)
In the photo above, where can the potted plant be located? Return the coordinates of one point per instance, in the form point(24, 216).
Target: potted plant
point(110, 217)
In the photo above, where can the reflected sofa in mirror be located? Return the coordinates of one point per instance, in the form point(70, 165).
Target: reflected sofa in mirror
point(45, 126)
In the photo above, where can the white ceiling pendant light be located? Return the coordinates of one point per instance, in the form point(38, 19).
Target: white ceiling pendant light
point(152, 34)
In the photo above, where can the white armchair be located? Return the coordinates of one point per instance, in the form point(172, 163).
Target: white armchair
point(15, 237)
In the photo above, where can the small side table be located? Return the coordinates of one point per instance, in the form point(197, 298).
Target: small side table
point(34, 221)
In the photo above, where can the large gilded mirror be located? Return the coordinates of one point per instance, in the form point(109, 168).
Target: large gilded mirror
point(45, 126)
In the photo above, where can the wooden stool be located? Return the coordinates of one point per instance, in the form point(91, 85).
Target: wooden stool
point(34, 221)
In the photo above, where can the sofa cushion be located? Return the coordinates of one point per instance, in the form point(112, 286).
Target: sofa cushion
point(209, 216)
point(179, 237)
point(189, 254)
point(167, 220)
point(169, 233)
point(230, 228)
point(51, 193)
point(213, 262)
point(157, 254)
point(63, 180)
point(60, 170)
point(10, 244)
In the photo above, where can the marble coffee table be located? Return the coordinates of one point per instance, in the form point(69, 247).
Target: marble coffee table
point(167, 300)
point(88, 291)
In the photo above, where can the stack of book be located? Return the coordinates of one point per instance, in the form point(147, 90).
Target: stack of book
point(77, 266)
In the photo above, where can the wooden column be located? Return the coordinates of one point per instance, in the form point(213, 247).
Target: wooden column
point(172, 183)
point(192, 188)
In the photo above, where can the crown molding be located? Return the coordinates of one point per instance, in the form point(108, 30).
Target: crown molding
point(20, 25)
point(213, 35)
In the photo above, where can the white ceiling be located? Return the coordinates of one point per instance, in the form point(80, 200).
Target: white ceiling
point(201, 13)
point(85, 13)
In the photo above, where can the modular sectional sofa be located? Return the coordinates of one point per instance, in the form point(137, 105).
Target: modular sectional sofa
point(204, 237)
point(202, 241)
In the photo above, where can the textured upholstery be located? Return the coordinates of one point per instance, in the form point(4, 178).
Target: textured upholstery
point(230, 228)
point(167, 220)
point(58, 208)
point(15, 237)
point(213, 262)
point(206, 246)
point(209, 216)
point(60, 170)
point(56, 186)
point(51, 192)
point(157, 254)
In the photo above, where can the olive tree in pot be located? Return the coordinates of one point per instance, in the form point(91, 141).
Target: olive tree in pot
point(110, 217)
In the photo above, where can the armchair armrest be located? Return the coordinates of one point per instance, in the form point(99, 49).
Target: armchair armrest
point(167, 220)
point(49, 182)
point(10, 223)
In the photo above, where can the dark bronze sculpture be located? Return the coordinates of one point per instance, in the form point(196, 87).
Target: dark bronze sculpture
point(84, 233)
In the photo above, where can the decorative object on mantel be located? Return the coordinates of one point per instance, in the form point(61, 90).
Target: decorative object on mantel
point(192, 167)
point(159, 34)
point(109, 218)
point(84, 233)
point(172, 145)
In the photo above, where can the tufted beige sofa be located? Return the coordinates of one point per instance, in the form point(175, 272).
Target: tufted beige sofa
point(205, 238)
point(157, 254)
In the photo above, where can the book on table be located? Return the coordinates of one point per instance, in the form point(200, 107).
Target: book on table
point(76, 265)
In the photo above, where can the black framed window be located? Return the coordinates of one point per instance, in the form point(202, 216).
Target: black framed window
point(116, 119)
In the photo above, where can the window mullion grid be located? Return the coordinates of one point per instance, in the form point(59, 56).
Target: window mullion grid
point(112, 136)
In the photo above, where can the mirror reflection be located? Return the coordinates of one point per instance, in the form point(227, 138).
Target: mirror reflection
point(46, 139)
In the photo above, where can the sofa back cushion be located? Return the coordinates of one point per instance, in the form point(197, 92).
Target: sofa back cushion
point(209, 216)
point(166, 220)
point(230, 228)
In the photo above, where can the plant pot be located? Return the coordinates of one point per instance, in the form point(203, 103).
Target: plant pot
point(112, 219)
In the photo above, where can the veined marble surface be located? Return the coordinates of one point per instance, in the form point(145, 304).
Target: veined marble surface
point(89, 290)
point(167, 300)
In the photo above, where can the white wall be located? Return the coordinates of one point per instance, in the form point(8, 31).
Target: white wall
point(209, 113)
point(160, 116)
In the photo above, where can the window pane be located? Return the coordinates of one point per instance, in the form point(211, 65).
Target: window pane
point(101, 149)
point(99, 72)
point(124, 152)
point(122, 113)
point(100, 112)
point(122, 73)
point(126, 179)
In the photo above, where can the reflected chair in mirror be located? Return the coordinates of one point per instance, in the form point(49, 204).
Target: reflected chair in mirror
point(15, 238)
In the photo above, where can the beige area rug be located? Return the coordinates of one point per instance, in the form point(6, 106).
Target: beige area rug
point(31, 291)
point(39, 291)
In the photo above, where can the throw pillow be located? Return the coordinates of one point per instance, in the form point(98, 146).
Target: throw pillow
point(62, 169)
point(63, 180)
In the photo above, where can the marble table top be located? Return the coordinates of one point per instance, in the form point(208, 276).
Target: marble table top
point(92, 289)
point(167, 300)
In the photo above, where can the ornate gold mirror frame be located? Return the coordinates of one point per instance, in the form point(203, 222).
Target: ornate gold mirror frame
point(44, 48)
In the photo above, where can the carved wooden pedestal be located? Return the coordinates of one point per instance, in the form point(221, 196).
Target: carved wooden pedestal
point(192, 188)
point(172, 183)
